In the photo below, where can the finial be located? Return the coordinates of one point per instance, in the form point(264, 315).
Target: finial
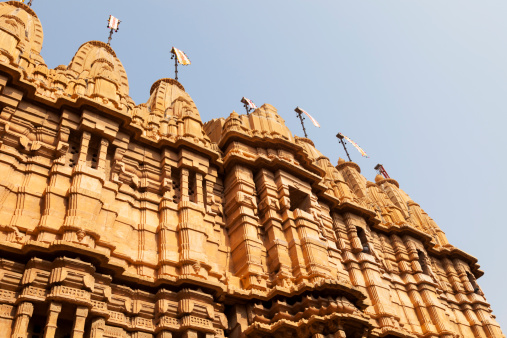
point(249, 105)
point(300, 111)
point(380, 169)
point(112, 23)
point(29, 3)
point(340, 137)
point(340, 161)
point(378, 178)
point(180, 57)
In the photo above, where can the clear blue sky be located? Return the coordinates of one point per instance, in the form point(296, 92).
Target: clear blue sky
point(420, 85)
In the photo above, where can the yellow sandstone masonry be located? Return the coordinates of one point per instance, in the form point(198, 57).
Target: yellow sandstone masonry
point(125, 220)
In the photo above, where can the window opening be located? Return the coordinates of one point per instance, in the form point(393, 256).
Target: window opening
point(92, 157)
point(192, 187)
point(175, 177)
point(73, 151)
point(364, 242)
point(422, 262)
point(472, 281)
point(299, 200)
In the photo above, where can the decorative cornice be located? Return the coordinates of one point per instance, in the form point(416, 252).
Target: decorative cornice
point(23, 6)
point(166, 80)
point(305, 140)
point(99, 44)
point(349, 164)
point(388, 180)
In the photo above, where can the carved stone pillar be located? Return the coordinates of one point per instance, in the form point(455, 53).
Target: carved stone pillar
point(190, 334)
point(421, 311)
point(340, 334)
point(53, 312)
point(269, 207)
point(79, 322)
point(184, 184)
point(104, 144)
point(247, 248)
point(355, 242)
point(98, 326)
point(7, 313)
point(192, 232)
point(141, 335)
point(165, 334)
point(83, 150)
point(199, 194)
point(23, 315)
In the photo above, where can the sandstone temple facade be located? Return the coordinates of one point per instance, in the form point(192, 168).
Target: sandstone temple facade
point(125, 220)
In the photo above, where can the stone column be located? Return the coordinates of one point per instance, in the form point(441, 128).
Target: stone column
point(79, 322)
point(141, 335)
point(165, 334)
point(23, 315)
point(199, 194)
point(184, 184)
point(269, 207)
point(6, 319)
point(53, 312)
point(98, 326)
point(83, 150)
point(340, 334)
point(247, 249)
point(355, 242)
point(190, 334)
point(104, 144)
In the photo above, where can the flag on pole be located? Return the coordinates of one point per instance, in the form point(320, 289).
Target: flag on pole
point(355, 146)
point(113, 23)
point(248, 102)
point(314, 121)
point(182, 57)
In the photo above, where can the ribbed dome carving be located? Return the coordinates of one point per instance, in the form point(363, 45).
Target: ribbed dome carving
point(20, 32)
point(96, 59)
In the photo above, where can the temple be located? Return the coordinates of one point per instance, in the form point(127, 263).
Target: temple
point(132, 220)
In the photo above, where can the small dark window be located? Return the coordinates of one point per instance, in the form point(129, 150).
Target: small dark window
point(175, 177)
point(364, 242)
point(192, 196)
point(93, 151)
point(423, 262)
point(472, 281)
point(72, 152)
point(299, 200)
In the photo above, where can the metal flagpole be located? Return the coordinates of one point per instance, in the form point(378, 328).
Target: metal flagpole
point(340, 137)
point(175, 66)
point(247, 109)
point(301, 118)
point(110, 37)
point(114, 24)
point(30, 3)
point(380, 168)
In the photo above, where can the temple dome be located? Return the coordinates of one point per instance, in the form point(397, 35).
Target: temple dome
point(96, 61)
point(20, 30)
point(168, 98)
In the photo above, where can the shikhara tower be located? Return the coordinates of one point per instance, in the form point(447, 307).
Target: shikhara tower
point(125, 220)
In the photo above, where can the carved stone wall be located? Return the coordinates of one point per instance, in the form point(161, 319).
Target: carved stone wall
point(125, 220)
